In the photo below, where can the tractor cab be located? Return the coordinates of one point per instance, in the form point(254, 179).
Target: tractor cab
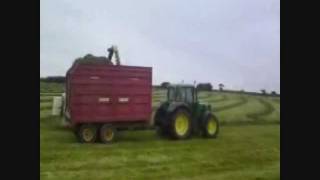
point(182, 93)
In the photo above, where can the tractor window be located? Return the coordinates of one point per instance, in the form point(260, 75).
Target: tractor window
point(171, 94)
point(181, 94)
point(189, 95)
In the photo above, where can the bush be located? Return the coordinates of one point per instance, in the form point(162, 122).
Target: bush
point(165, 84)
point(221, 86)
point(53, 79)
point(204, 86)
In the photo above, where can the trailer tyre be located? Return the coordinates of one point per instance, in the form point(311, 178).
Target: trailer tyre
point(87, 133)
point(107, 133)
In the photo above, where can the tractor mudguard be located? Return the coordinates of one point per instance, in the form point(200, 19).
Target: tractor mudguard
point(160, 114)
point(174, 105)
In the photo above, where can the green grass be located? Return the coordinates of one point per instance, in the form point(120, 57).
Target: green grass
point(51, 87)
point(266, 111)
point(240, 101)
point(48, 95)
point(45, 105)
point(46, 99)
point(241, 152)
point(239, 114)
point(213, 98)
point(247, 148)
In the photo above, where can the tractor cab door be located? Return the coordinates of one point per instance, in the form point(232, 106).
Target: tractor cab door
point(181, 94)
point(189, 95)
point(171, 94)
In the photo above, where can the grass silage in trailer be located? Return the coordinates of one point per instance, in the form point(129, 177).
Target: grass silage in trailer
point(249, 151)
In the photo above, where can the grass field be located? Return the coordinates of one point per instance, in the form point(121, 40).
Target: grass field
point(248, 146)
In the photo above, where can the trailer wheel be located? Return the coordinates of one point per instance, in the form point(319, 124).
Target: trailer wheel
point(87, 133)
point(211, 127)
point(107, 133)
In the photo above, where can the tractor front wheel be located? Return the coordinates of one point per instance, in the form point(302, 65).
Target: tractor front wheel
point(211, 127)
point(180, 124)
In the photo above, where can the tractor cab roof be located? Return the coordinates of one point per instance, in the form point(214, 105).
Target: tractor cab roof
point(181, 85)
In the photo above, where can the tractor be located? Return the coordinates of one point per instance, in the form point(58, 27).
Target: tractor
point(182, 115)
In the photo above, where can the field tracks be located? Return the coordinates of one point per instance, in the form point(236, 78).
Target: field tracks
point(242, 100)
point(268, 109)
point(223, 98)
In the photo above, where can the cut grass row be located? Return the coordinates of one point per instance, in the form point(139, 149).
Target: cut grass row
point(222, 98)
point(274, 116)
point(213, 98)
point(241, 101)
point(238, 116)
point(268, 109)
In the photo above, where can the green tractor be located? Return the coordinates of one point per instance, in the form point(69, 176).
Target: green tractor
point(181, 115)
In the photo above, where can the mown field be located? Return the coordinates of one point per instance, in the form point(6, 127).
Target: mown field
point(248, 146)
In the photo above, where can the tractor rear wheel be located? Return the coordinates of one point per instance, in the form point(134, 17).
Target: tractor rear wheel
point(107, 133)
point(87, 133)
point(180, 124)
point(211, 127)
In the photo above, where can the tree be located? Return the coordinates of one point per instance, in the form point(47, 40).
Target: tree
point(221, 86)
point(274, 93)
point(263, 91)
point(165, 84)
point(55, 79)
point(204, 86)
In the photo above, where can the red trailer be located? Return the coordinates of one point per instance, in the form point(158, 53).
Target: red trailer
point(102, 98)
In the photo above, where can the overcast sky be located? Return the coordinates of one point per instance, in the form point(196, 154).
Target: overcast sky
point(234, 42)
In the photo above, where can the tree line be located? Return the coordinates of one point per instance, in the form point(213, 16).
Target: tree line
point(53, 79)
point(221, 87)
point(199, 86)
